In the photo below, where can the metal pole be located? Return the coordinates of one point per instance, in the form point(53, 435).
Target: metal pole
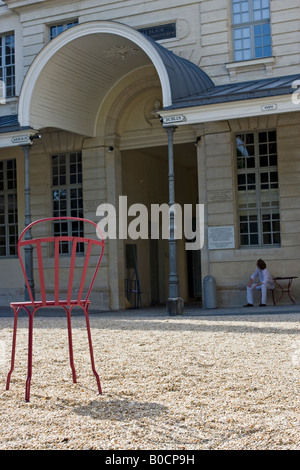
point(28, 249)
point(174, 302)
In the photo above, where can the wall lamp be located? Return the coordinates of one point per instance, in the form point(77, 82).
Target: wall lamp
point(36, 136)
point(109, 148)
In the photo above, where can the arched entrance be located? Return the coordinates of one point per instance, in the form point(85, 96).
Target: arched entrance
point(94, 81)
point(85, 62)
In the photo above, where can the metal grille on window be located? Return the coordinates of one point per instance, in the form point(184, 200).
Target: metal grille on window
point(8, 208)
point(258, 189)
point(67, 198)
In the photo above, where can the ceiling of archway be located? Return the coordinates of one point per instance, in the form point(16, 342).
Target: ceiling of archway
point(77, 78)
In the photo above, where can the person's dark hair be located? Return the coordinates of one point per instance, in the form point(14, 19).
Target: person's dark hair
point(261, 264)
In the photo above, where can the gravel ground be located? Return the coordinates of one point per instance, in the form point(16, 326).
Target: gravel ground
point(168, 383)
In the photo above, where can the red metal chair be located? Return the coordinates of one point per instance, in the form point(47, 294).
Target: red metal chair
point(80, 248)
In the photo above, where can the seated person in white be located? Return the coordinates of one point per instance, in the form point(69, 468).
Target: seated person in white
point(260, 279)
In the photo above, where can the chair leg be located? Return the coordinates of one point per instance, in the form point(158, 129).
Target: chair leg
point(29, 372)
point(273, 297)
point(68, 312)
point(16, 312)
point(91, 349)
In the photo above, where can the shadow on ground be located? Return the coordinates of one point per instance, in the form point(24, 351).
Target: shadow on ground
point(116, 410)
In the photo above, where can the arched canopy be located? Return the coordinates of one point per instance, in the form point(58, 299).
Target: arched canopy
point(71, 76)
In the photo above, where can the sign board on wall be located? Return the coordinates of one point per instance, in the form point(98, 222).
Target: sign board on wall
point(21, 139)
point(221, 238)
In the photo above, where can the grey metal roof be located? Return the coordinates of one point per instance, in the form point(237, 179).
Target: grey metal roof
point(186, 78)
point(251, 89)
point(192, 87)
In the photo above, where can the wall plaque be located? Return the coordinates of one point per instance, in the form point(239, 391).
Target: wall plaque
point(221, 238)
point(22, 139)
point(269, 107)
point(173, 119)
point(159, 32)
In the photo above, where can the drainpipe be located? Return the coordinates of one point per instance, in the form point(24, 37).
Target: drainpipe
point(28, 249)
point(175, 303)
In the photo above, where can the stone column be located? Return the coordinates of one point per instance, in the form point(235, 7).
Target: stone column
point(103, 185)
point(175, 304)
point(202, 191)
point(113, 168)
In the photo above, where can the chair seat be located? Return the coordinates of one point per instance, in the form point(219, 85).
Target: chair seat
point(51, 303)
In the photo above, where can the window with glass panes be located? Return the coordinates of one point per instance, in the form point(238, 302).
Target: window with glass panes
point(258, 189)
point(7, 63)
point(8, 208)
point(251, 29)
point(67, 200)
point(56, 29)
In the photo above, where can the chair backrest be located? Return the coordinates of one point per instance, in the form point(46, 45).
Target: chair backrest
point(79, 247)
